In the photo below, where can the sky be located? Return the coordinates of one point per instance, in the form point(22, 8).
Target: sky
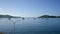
point(30, 8)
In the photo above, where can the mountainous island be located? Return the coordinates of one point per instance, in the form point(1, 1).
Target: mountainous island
point(48, 16)
point(43, 16)
point(8, 16)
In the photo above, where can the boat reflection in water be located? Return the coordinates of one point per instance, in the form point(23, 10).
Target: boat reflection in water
point(23, 18)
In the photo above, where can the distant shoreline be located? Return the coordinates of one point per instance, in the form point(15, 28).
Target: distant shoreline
point(8, 16)
point(48, 16)
point(43, 16)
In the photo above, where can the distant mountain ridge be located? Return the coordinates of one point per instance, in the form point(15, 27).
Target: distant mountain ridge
point(48, 16)
point(8, 16)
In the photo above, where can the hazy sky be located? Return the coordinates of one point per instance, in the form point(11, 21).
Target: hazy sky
point(30, 8)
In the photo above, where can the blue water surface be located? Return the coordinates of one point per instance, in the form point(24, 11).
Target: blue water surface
point(30, 26)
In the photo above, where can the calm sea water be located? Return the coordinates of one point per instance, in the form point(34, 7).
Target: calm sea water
point(31, 26)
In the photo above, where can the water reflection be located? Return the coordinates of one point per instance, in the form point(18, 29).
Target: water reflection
point(30, 26)
point(14, 22)
point(23, 18)
point(34, 18)
point(42, 20)
point(9, 18)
